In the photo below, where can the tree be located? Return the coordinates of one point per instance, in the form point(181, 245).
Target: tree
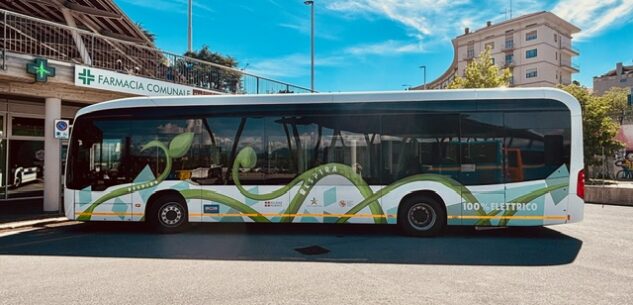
point(481, 72)
point(210, 77)
point(617, 99)
point(151, 36)
point(214, 57)
point(599, 125)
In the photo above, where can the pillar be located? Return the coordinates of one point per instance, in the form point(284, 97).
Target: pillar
point(52, 157)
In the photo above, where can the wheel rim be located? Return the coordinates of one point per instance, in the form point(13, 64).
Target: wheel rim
point(422, 216)
point(171, 214)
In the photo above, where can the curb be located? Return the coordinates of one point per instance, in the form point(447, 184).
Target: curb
point(31, 223)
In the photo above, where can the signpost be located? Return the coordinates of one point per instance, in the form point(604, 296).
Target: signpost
point(62, 129)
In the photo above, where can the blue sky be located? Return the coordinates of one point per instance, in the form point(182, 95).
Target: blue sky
point(370, 44)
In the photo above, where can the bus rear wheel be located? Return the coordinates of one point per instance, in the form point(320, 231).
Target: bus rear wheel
point(421, 216)
point(168, 214)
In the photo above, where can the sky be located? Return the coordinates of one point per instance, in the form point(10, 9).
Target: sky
point(368, 45)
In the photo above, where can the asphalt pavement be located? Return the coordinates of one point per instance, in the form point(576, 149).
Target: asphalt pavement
point(125, 263)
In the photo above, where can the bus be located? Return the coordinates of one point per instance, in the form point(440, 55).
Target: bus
point(422, 160)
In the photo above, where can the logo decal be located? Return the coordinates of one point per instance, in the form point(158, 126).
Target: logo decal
point(86, 77)
point(272, 204)
point(345, 203)
point(211, 208)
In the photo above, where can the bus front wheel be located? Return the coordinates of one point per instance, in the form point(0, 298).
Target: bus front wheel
point(421, 216)
point(168, 214)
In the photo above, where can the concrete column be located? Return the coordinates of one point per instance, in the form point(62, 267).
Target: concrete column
point(52, 160)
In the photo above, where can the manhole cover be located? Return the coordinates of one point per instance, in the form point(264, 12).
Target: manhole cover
point(312, 250)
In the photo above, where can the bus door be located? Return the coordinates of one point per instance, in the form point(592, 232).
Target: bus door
point(105, 163)
point(482, 167)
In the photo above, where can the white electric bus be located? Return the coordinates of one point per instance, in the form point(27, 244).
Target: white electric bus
point(422, 160)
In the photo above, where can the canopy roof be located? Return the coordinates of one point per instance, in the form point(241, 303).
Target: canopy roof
point(99, 16)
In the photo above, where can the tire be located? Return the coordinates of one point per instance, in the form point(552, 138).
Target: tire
point(169, 214)
point(421, 216)
point(621, 175)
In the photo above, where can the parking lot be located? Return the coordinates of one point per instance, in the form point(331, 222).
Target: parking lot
point(113, 263)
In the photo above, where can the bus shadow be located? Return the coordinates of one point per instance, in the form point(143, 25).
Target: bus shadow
point(535, 246)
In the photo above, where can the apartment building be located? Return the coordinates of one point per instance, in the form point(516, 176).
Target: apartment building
point(621, 76)
point(537, 48)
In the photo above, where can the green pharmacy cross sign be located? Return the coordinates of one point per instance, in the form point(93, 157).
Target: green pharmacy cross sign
point(86, 77)
point(40, 68)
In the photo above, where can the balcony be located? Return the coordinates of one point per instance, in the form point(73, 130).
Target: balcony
point(21, 34)
point(569, 50)
point(570, 66)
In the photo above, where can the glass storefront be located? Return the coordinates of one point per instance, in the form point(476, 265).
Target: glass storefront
point(22, 127)
point(21, 155)
point(25, 172)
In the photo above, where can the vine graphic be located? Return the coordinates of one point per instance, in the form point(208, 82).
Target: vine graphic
point(247, 159)
point(178, 147)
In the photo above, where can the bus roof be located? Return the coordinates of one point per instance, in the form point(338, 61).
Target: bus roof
point(348, 97)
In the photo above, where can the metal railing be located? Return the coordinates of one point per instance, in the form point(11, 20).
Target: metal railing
point(23, 34)
point(570, 63)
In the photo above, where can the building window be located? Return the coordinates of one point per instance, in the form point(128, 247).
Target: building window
point(493, 60)
point(556, 55)
point(530, 35)
point(490, 45)
point(531, 73)
point(27, 127)
point(531, 53)
point(509, 59)
point(555, 37)
point(470, 52)
point(509, 43)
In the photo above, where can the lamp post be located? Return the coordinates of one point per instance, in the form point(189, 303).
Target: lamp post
point(424, 67)
point(311, 4)
point(189, 29)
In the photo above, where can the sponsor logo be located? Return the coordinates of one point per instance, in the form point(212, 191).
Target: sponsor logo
point(345, 203)
point(272, 204)
point(211, 208)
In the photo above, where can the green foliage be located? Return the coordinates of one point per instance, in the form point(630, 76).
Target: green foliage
point(214, 57)
point(207, 76)
point(151, 36)
point(481, 72)
point(599, 126)
point(617, 98)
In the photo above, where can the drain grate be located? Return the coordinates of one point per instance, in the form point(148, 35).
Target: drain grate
point(312, 250)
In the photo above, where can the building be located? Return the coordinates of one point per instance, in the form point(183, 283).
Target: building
point(58, 56)
point(536, 47)
point(621, 76)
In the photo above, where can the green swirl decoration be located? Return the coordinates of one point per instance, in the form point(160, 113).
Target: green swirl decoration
point(178, 147)
point(247, 159)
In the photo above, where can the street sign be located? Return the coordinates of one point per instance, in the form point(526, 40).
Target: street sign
point(62, 129)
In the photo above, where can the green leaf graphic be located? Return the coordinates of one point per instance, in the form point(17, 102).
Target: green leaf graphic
point(180, 145)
